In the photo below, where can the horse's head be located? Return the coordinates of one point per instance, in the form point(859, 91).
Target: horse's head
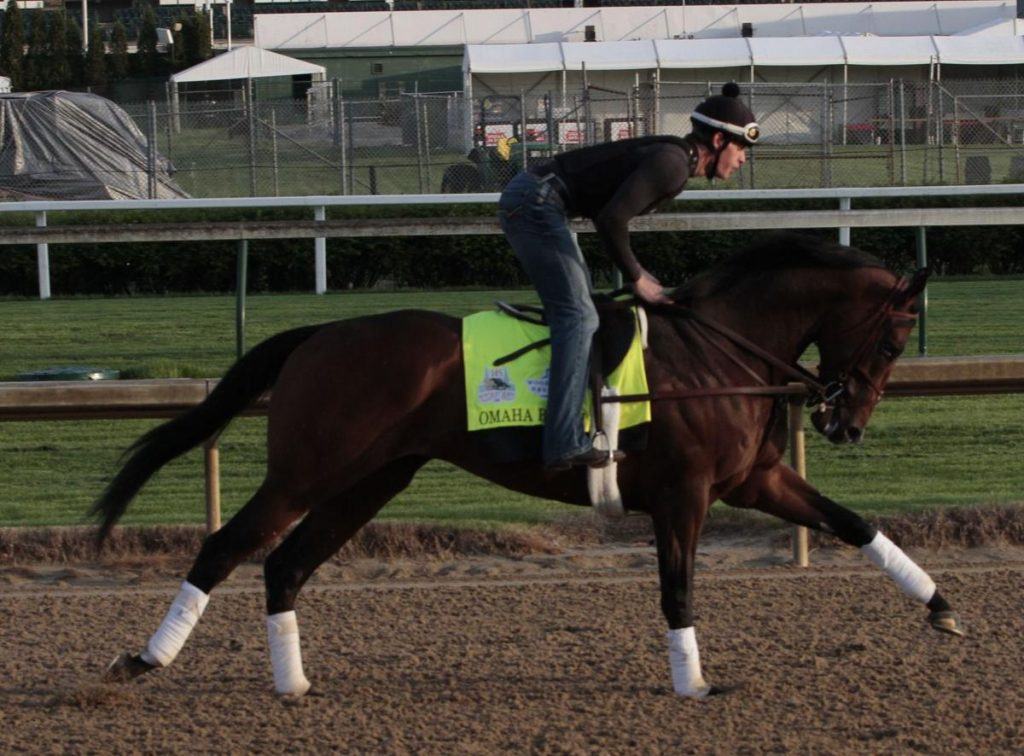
point(857, 356)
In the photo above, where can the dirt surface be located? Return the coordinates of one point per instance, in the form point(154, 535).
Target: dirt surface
point(548, 653)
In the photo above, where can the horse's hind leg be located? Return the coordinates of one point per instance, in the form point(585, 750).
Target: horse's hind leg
point(324, 530)
point(779, 491)
point(259, 522)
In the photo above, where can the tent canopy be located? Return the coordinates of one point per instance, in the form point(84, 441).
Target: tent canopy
point(247, 63)
point(494, 26)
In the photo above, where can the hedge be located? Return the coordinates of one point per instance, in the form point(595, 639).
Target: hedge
point(461, 261)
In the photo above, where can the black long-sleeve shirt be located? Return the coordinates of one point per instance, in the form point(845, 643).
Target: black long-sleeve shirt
point(614, 182)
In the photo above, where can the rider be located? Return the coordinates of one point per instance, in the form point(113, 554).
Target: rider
point(610, 184)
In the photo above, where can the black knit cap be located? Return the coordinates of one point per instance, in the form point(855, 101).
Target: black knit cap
point(728, 109)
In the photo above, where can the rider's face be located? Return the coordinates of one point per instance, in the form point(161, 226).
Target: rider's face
point(733, 157)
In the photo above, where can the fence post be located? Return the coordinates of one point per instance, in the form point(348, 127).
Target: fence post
point(588, 113)
point(426, 141)
point(825, 163)
point(252, 139)
point(549, 117)
point(892, 132)
point(211, 458)
point(241, 275)
point(903, 135)
point(320, 252)
point(844, 231)
point(941, 115)
point(151, 152)
point(522, 128)
point(43, 260)
point(339, 134)
point(922, 300)
point(170, 120)
point(273, 149)
point(419, 141)
point(956, 136)
point(798, 461)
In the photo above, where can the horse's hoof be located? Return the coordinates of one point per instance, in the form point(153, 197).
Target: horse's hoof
point(125, 667)
point(721, 690)
point(946, 621)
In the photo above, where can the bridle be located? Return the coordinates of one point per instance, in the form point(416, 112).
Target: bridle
point(876, 326)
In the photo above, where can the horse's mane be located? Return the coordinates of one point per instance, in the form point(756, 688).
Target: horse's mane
point(774, 252)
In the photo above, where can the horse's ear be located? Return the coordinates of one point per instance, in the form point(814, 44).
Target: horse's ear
point(917, 283)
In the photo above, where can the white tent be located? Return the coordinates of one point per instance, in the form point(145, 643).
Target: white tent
point(248, 63)
point(242, 63)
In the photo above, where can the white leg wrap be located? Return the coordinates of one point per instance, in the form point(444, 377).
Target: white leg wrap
point(911, 579)
point(603, 482)
point(183, 615)
point(285, 654)
point(684, 661)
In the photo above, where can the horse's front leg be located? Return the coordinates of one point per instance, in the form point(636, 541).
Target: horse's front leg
point(779, 491)
point(678, 518)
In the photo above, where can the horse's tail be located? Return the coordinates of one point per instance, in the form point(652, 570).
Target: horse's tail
point(253, 374)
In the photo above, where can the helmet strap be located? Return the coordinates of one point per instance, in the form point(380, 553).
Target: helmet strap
point(711, 172)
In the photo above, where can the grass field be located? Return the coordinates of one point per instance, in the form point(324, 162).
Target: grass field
point(919, 452)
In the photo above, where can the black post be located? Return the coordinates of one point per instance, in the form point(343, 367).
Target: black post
point(549, 115)
point(240, 286)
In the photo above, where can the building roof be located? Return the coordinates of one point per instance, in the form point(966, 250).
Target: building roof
point(304, 31)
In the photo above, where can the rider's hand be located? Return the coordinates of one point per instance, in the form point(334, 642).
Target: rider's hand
point(648, 288)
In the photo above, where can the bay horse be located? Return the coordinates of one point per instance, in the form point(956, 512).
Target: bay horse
point(358, 406)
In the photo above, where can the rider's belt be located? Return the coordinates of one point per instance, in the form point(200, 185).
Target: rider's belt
point(557, 185)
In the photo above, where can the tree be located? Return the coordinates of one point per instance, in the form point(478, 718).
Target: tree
point(12, 46)
point(195, 39)
point(57, 73)
point(35, 59)
point(147, 55)
point(96, 59)
point(203, 47)
point(75, 58)
point(118, 52)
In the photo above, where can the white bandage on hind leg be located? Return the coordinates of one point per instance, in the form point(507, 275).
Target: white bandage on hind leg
point(911, 579)
point(285, 654)
point(603, 482)
point(684, 662)
point(185, 611)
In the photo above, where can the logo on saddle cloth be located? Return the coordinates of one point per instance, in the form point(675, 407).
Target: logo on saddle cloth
point(494, 395)
point(496, 387)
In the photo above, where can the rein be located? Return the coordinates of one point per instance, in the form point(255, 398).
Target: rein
point(827, 394)
point(819, 391)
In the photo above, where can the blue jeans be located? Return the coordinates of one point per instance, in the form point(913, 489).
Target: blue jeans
point(533, 218)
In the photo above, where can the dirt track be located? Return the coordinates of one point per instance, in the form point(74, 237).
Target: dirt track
point(545, 654)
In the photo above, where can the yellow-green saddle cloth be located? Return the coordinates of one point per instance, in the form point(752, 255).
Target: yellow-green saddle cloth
point(515, 395)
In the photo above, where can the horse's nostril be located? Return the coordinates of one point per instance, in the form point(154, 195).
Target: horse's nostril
point(855, 434)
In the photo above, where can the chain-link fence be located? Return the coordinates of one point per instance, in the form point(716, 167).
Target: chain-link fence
point(816, 134)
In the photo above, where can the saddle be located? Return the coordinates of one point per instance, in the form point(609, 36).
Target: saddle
point(611, 342)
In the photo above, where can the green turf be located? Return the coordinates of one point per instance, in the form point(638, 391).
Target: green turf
point(919, 452)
